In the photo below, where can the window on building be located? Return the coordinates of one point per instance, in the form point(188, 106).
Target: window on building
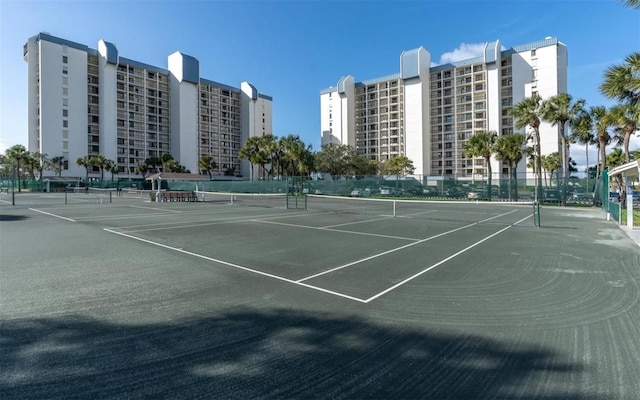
point(65, 91)
point(65, 123)
point(65, 71)
point(533, 53)
point(65, 59)
point(65, 113)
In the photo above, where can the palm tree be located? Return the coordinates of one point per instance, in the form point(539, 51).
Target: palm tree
point(625, 119)
point(560, 110)
point(112, 167)
point(600, 123)
point(17, 154)
point(615, 158)
point(207, 164)
point(143, 170)
point(551, 163)
point(528, 113)
point(99, 162)
point(511, 149)
point(622, 82)
point(293, 151)
point(40, 164)
point(632, 3)
point(482, 145)
point(55, 164)
point(583, 134)
point(254, 151)
point(85, 162)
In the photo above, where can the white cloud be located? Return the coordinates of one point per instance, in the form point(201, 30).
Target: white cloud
point(464, 52)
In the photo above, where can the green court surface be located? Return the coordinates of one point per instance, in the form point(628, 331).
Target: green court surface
point(119, 297)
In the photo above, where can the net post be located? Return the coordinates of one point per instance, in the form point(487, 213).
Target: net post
point(536, 214)
point(394, 209)
point(65, 197)
point(110, 194)
point(286, 200)
point(232, 196)
point(306, 208)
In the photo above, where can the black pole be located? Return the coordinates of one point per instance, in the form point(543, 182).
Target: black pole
point(13, 186)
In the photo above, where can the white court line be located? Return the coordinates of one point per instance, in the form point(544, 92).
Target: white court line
point(236, 266)
point(382, 254)
point(400, 248)
point(154, 208)
point(397, 285)
point(335, 230)
point(354, 223)
point(187, 224)
point(53, 215)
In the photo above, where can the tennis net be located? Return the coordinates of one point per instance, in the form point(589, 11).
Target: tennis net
point(267, 200)
point(509, 213)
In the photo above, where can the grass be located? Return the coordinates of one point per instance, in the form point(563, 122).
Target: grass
point(636, 216)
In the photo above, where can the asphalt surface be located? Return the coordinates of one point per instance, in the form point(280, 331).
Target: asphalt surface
point(85, 313)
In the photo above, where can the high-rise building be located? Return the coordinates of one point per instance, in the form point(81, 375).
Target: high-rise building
point(428, 113)
point(84, 101)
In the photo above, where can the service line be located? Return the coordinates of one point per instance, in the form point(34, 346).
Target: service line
point(52, 215)
point(397, 285)
point(235, 266)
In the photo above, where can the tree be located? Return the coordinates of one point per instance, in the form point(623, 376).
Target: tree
point(143, 170)
point(625, 120)
point(615, 158)
point(41, 161)
point(98, 162)
point(482, 145)
point(600, 124)
point(363, 166)
point(551, 163)
point(528, 113)
point(257, 150)
point(85, 162)
point(335, 159)
point(632, 3)
point(293, 151)
point(17, 154)
point(55, 164)
point(560, 110)
point(207, 164)
point(583, 133)
point(153, 164)
point(622, 82)
point(398, 166)
point(112, 167)
point(511, 149)
point(168, 162)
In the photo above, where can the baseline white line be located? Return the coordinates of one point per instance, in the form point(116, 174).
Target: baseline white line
point(235, 266)
point(335, 230)
point(154, 208)
point(52, 215)
point(397, 249)
point(397, 285)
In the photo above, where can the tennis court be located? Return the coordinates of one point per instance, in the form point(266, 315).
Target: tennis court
point(279, 297)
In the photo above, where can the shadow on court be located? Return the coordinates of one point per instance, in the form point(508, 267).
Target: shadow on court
point(12, 218)
point(281, 354)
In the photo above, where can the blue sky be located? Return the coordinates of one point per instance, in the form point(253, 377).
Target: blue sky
point(291, 50)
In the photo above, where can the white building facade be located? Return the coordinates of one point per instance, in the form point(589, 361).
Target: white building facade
point(428, 113)
point(86, 102)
